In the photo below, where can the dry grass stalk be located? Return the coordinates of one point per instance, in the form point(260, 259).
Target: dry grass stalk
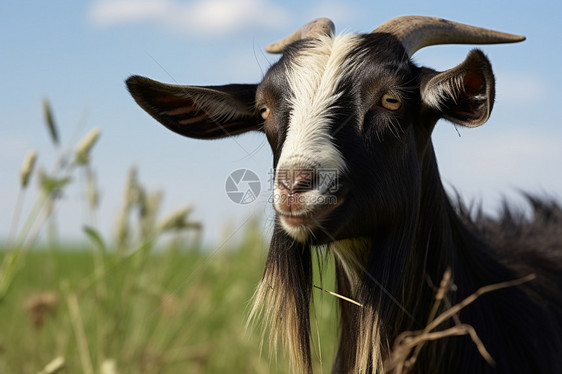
point(131, 196)
point(401, 357)
point(338, 295)
point(80, 334)
point(53, 367)
point(444, 287)
point(92, 191)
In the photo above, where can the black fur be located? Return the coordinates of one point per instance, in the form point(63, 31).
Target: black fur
point(396, 200)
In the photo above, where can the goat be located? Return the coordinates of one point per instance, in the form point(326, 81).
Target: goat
point(356, 105)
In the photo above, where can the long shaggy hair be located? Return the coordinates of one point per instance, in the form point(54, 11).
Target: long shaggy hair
point(395, 279)
point(284, 296)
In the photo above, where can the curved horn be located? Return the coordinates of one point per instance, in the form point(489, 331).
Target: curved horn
point(317, 27)
point(416, 32)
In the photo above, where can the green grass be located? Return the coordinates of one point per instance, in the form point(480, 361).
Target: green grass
point(135, 306)
point(173, 311)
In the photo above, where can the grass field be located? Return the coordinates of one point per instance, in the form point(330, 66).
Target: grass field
point(175, 310)
point(132, 304)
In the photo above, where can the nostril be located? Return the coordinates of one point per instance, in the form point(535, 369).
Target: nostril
point(303, 181)
point(295, 181)
point(285, 185)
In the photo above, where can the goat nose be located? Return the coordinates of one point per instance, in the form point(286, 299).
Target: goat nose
point(295, 181)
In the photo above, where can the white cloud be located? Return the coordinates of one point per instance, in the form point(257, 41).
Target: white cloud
point(106, 13)
point(210, 17)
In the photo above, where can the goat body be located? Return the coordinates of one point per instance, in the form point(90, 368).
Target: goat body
point(356, 106)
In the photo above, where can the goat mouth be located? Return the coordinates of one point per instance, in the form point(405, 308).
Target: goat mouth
point(296, 220)
point(311, 218)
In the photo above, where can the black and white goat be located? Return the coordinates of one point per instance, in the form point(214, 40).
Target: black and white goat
point(358, 106)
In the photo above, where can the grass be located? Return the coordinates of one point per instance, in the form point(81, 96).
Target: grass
point(132, 304)
point(182, 311)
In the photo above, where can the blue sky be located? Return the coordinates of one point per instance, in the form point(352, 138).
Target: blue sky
point(78, 53)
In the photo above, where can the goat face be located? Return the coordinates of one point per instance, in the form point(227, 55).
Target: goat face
point(340, 128)
point(348, 119)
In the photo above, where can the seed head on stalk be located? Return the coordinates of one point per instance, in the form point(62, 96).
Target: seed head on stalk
point(84, 147)
point(27, 168)
point(50, 121)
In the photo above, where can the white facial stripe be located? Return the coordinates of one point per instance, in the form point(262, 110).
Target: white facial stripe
point(313, 78)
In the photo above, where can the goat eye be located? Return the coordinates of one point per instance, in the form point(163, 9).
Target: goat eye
point(391, 101)
point(265, 112)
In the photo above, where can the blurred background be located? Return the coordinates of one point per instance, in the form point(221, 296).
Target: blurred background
point(121, 308)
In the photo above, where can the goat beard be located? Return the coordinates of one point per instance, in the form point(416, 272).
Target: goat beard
point(283, 298)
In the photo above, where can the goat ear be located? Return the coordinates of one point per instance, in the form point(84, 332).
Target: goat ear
point(464, 94)
point(198, 112)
